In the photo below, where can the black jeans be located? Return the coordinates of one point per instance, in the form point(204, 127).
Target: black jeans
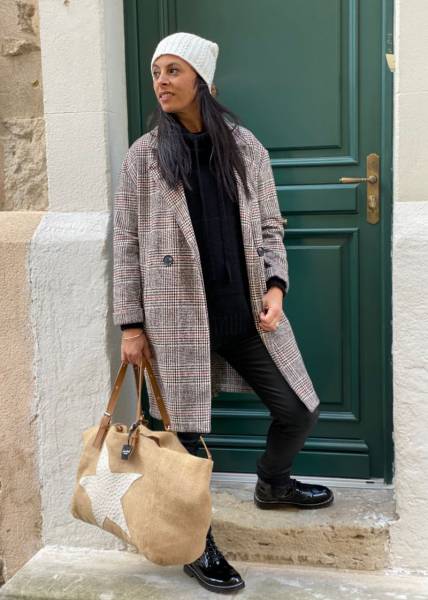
point(291, 420)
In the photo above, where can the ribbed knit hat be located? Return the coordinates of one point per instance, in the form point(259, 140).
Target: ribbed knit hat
point(197, 51)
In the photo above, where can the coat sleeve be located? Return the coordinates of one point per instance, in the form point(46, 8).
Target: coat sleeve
point(275, 255)
point(127, 292)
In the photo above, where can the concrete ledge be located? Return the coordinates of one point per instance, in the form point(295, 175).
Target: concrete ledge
point(351, 533)
point(61, 573)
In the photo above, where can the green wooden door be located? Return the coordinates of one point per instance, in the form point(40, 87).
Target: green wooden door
point(310, 79)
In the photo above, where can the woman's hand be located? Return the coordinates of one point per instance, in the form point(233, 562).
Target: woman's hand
point(272, 305)
point(133, 350)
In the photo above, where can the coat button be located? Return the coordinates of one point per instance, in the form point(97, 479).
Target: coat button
point(260, 250)
point(168, 260)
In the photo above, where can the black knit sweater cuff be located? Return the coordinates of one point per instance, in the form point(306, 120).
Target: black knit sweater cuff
point(277, 282)
point(129, 325)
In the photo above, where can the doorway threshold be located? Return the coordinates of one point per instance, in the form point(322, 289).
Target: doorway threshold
point(239, 479)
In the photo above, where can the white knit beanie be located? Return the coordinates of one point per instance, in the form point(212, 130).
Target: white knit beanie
point(197, 51)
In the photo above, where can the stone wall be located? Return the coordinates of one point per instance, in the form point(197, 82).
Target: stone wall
point(23, 199)
point(23, 180)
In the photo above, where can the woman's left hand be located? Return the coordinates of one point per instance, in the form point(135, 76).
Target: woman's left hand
point(272, 305)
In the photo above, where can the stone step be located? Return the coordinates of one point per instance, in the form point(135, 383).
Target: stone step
point(64, 573)
point(351, 533)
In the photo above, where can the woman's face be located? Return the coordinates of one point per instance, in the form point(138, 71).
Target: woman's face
point(173, 75)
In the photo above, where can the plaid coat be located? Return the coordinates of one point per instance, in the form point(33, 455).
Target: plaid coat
point(151, 224)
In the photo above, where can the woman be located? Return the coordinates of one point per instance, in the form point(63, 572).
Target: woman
point(200, 273)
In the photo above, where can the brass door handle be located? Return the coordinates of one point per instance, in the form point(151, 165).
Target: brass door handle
point(373, 187)
point(370, 179)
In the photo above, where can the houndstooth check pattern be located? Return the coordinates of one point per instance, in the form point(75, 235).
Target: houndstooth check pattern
point(152, 221)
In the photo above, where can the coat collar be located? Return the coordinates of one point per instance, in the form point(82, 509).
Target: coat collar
point(153, 138)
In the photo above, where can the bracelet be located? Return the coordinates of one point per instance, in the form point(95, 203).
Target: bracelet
point(133, 336)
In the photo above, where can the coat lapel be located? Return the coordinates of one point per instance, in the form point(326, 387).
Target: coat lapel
point(176, 199)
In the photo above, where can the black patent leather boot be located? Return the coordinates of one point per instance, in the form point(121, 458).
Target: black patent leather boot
point(213, 571)
point(296, 493)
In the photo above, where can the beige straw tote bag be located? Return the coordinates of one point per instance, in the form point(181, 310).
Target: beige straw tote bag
point(143, 486)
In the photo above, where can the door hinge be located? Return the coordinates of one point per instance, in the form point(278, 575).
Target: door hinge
point(390, 59)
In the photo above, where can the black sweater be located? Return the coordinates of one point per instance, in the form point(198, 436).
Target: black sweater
point(217, 226)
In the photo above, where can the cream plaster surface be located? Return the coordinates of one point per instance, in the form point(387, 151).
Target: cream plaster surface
point(409, 534)
point(69, 266)
point(117, 112)
point(78, 351)
point(20, 515)
point(410, 101)
point(84, 101)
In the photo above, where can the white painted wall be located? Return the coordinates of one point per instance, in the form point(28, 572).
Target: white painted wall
point(70, 263)
point(409, 536)
point(67, 269)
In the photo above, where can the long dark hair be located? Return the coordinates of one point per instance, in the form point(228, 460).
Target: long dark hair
point(174, 154)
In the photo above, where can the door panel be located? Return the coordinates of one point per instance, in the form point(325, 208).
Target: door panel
point(311, 81)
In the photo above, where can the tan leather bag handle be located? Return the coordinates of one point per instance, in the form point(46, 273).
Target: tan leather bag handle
point(111, 405)
point(139, 379)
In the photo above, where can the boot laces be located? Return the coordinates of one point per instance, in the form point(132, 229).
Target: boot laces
point(294, 484)
point(288, 489)
point(211, 549)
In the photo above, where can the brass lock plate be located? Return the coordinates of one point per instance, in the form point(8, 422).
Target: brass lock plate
point(373, 197)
